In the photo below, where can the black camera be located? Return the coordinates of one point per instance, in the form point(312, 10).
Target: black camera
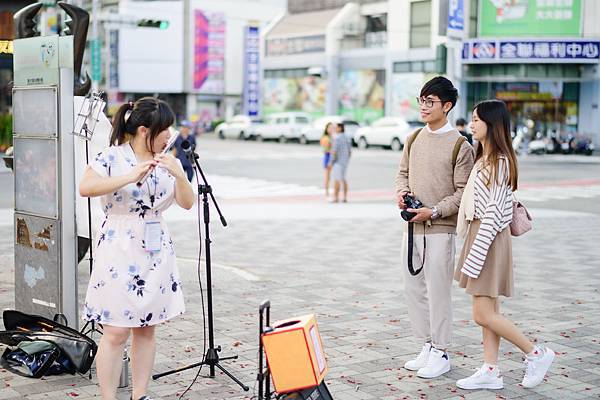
point(410, 202)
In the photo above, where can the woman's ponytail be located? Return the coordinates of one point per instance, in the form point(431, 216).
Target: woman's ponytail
point(119, 123)
point(154, 114)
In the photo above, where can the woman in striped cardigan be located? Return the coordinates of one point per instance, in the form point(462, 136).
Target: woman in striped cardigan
point(485, 267)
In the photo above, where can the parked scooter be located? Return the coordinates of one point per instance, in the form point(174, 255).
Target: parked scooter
point(539, 145)
point(584, 146)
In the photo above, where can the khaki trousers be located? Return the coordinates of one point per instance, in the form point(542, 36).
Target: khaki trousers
point(428, 295)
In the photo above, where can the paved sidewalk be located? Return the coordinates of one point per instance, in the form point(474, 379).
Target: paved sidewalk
point(341, 262)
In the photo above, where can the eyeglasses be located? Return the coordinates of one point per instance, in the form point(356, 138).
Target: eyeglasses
point(427, 102)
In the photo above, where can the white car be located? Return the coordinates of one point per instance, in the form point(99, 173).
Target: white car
point(314, 132)
point(240, 127)
point(282, 126)
point(387, 131)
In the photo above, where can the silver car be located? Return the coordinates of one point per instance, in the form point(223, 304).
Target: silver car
point(314, 132)
point(239, 127)
point(282, 126)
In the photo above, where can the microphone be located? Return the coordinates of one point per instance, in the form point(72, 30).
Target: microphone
point(188, 148)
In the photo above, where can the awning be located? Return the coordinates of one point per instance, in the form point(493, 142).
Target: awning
point(299, 33)
point(303, 24)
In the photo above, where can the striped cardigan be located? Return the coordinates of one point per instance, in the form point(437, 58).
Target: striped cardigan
point(493, 207)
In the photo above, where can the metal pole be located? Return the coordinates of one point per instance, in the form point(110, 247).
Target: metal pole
point(95, 39)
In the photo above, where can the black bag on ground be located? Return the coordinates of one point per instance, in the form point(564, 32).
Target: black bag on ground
point(39, 346)
point(32, 359)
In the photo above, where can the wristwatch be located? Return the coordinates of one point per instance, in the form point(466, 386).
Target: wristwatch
point(435, 213)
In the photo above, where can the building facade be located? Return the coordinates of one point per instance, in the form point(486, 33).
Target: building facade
point(366, 59)
point(197, 63)
point(363, 59)
point(541, 58)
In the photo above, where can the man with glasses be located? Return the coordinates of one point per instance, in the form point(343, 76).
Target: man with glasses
point(435, 165)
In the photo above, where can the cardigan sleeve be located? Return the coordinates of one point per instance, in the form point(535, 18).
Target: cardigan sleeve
point(497, 211)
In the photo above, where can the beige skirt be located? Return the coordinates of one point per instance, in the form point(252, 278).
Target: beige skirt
point(496, 277)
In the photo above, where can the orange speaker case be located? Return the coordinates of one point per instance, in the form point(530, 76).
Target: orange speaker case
point(294, 354)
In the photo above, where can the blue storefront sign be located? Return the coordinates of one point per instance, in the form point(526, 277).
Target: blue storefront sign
point(456, 17)
point(251, 98)
point(531, 51)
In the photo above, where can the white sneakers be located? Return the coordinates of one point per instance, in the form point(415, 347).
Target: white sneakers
point(430, 363)
point(536, 366)
point(421, 360)
point(486, 377)
point(438, 364)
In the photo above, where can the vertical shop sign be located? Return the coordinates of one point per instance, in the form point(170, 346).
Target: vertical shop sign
point(251, 105)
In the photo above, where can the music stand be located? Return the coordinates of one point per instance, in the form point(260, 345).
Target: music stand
point(87, 117)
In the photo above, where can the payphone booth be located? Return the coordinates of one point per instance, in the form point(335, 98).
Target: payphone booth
point(45, 232)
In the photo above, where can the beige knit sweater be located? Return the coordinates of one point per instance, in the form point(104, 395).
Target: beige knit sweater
point(428, 174)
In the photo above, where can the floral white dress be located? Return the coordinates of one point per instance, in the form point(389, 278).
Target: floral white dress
point(129, 286)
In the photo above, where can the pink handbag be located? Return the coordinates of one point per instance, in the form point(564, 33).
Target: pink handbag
point(521, 220)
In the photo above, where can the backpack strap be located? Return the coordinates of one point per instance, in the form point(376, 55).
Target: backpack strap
point(411, 138)
point(456, 150)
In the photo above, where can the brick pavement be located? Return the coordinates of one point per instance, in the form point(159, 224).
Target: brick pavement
point(345, 270)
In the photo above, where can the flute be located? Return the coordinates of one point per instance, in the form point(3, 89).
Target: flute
point(167, 148)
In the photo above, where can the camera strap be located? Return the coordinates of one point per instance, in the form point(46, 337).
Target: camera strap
point(410, 249)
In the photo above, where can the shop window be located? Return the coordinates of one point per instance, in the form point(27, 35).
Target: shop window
point(420, 24)
point(429, 66)
point(416, 66)
point(286, 73)
point(571, 71)
point(513, 70)
point(555, 71)
point(401, 67)
point(483, 70)
point(376, 30)
point(535, 71)
point(376, 23)
point(571, 91)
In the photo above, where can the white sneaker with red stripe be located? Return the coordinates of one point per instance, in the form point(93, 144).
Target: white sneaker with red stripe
point(486, 377)
point(537, 364)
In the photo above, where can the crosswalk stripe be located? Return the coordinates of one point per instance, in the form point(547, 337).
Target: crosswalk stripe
point(230, 187)
point(293, 155)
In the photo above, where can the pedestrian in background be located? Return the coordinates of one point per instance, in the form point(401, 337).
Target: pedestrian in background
point(326, 143)
point(485, 267)
point(340, 158)
point(184, 134)
point(436, 162)
point(135, 283)
point(461, 126)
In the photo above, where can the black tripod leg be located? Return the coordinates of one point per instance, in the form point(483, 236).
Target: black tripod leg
point(174, 371)
point(233, 378)
point(228, 358)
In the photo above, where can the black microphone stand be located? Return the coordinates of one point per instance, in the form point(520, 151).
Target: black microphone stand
point(211, 358)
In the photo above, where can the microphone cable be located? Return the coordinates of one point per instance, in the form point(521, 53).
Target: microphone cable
point(188, 146)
